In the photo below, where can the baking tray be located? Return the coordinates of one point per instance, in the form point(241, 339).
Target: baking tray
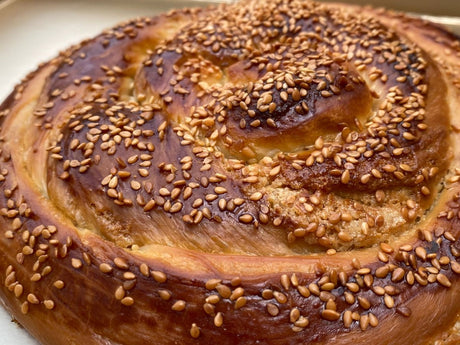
point(34, 31)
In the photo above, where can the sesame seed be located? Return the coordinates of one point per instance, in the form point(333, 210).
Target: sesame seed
point(224, 290)
point(218, 319)
point(330, 315)
point(389, 301)
point(176, 207)
point(164, 294)
point(144, 269)
point(194, 331)
point(213, 299)
point(27, 250)
point(365, 178)
point(405, 311)
point(353, 287)
point(159, 277)
point(455, 267)
point(76, 263)
point(345, 178)
point(272, 309)
point(409, 136)
point(256, 196)
point(285, 282)
point(135, 185)
point(178, 305)
point(398, 151)
point(59, 284)
point(397, 275)
point(364, 322)
point(303, 290)
point(237, 293)
point(35, 277)
point(444, 260)
point(331, 305)
point(121, 263)
point(327, 286)
point(347, 319)
point(363, 271)
point(25, 307)
point(382, 272)
point(275, 171)
point(17, 223)
point(129, 275)
point(127, 301)
point(364, 302)
point(443, 280)
point(314, 289)
point(376, 173)
point(449, 236)
point(105, 268)
point(120, 293)
point(143, 172)
point(240, 302)
point(211, 284)
point(113, 183)
point(31, 298)
point(246, 218)
point(18, 290)
point(220, 190)
point(425, 190)
point(49, 304)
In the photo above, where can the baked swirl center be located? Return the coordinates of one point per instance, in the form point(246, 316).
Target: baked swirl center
point(304, 131)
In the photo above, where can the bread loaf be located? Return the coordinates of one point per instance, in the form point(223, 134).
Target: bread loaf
point(264, 172)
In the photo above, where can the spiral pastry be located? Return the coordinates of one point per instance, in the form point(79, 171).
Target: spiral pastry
point(266, 172)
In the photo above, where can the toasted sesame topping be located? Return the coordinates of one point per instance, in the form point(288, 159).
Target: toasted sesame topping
point(25, 307)
point(397, 275)
point(246, 218)
point(330, 315)
point(455, 267)
point(18, 290)
point(59, 284)
point(49, 304)
point(194, 331)
point(31, 298)
point(224, 290)
point(272, 309)
point(120, 293)
point(127, 301)
point(121, 263)
point(389, 301)
point(105, 268)
point(76, 263)
point(164, 294)
point(144, 269)
point(285, 282)
point(364, 322)
point(159, 276)
point(443, 280)
point(178, 305)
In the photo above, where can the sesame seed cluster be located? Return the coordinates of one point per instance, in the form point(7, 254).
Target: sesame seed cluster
point(277, 172)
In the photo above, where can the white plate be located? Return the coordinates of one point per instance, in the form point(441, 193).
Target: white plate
point(35, 31)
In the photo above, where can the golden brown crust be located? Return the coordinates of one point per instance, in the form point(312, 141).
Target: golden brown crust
point(282, 172)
